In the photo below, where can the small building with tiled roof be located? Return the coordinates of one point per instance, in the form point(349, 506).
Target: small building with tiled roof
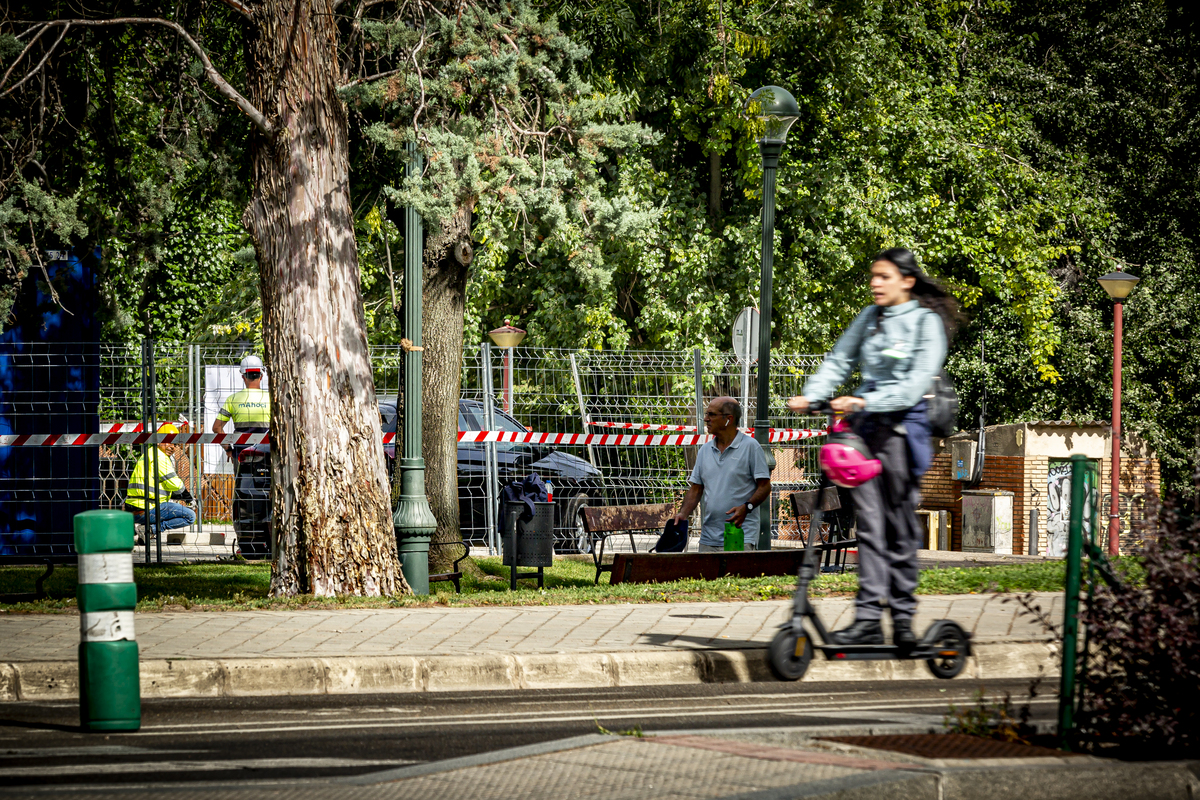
point(1031, 460)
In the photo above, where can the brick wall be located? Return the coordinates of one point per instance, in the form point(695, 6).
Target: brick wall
point(1139, 492)
point(1026, 479)
point(939, 491)
point(1037, 471)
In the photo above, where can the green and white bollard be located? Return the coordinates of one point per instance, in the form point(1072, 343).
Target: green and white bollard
point(110, 697)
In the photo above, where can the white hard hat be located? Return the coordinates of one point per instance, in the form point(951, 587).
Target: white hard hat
point(251, 364)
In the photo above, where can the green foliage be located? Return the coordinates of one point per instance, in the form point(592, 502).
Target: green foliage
point(507, 130)
point(1110, 95)
point(991, 719)
point(114, 143)
point(569, 581)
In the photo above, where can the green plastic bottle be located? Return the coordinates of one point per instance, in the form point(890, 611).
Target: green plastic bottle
point(735, 537)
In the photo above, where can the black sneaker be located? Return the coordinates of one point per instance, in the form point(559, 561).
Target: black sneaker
point(863, 631)
point(902, 633)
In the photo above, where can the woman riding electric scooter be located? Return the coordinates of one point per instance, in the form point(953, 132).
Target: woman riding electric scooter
point(899, 343)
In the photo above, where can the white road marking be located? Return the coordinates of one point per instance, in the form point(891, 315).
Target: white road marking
point(199, 766)
point(86, 752)
point(803, 701)
point(595, 714)
point(779, 695)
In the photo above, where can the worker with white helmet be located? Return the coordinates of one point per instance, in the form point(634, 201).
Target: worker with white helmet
point(250, 411)
point(249, 408)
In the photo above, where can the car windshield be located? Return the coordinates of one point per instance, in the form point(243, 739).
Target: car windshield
point(471, 417)
point(507, 423)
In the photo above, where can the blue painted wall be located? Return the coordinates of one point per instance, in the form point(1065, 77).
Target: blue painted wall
point(50, 383)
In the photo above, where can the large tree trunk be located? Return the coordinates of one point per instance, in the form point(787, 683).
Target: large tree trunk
point(330, 505)
point(445, 294)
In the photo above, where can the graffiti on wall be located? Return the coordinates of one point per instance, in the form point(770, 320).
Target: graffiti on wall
point(1058, 506)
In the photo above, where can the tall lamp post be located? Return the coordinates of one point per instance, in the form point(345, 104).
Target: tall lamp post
point(507, 337)
point(1118, 285)
point(413, 519)
point(778, 110)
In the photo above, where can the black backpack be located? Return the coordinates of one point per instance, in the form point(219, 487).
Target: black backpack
point(941, 406)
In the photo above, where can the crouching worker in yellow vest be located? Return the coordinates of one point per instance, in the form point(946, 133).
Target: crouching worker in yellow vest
point(139, 498)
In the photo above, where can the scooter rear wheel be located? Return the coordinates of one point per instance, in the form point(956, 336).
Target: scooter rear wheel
point(951, 649)
point(789, 657)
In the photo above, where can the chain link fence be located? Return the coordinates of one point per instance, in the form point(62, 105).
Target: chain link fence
point(89, 388)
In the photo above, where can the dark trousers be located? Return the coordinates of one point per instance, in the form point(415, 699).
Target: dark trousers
point(888, 533)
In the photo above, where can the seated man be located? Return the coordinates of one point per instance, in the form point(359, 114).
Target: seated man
point(157, 461)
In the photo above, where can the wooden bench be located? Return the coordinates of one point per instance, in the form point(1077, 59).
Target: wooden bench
point(455, 576)
point(601, 523)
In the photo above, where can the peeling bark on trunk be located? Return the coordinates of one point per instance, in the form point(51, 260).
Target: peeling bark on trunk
point(332, 518)
point(445, 294)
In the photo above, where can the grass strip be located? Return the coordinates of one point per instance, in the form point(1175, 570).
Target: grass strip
point(242, 586)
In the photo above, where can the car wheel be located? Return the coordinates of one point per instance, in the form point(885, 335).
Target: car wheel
point(580, 540)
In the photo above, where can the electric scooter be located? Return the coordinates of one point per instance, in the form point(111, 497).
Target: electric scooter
point(944, 647)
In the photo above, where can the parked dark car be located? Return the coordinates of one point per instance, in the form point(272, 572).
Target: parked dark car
point(576, 482)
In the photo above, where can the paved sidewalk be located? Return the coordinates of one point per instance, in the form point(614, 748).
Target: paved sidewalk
point(491, 630)
point(240, 653)
point(703, 767)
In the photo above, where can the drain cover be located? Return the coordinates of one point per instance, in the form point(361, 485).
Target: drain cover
point(947, 745)
point(696, 616)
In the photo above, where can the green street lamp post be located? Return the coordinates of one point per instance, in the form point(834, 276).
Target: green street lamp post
point(778, 110)
point(413, 520)
point(1118, 285)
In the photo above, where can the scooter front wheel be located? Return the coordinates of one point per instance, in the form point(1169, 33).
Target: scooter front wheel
point(951, 651)
point(790, 654)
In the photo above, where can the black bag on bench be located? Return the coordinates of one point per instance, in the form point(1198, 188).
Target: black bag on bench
point(674, 538)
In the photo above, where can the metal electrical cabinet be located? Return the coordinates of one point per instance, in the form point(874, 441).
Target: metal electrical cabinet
point(962, 459)
point(987, 521)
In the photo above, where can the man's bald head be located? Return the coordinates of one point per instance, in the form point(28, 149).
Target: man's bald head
point(727, 405)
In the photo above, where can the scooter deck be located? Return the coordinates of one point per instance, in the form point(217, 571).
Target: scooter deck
point(876, 652)
point(880, 652)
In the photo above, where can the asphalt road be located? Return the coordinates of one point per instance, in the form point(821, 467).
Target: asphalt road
point(288, 739)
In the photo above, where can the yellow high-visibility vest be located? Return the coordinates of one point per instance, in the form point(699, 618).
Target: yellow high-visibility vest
point(141, 483)
point(250, 410)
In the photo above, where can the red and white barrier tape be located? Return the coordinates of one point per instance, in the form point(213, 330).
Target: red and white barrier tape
point(127, 436)
point(635, 440)
point(645, 426)
point(641, 426)
point(508, 437)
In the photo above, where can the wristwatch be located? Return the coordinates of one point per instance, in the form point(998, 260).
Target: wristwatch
point(749, 507)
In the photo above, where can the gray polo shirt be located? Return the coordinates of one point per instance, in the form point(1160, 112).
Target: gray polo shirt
point(729, 479)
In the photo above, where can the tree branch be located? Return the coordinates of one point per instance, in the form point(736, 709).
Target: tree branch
point(241, 9)
point(210, 71)
point(36, 69)
point(374, 77)
point(32, 42)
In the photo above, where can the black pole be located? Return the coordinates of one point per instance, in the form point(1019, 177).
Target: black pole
point(157, 455)
point(762, 423)
point(145, 448)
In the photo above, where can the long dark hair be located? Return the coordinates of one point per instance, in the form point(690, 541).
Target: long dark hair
point(928, 292)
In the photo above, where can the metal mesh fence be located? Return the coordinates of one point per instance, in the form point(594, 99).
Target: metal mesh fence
point(87, 388)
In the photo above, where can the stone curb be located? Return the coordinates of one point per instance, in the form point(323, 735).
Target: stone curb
point(246, 677)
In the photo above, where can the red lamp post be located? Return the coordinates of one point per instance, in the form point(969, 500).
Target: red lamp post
point(507, 337)
point(1118, 285)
